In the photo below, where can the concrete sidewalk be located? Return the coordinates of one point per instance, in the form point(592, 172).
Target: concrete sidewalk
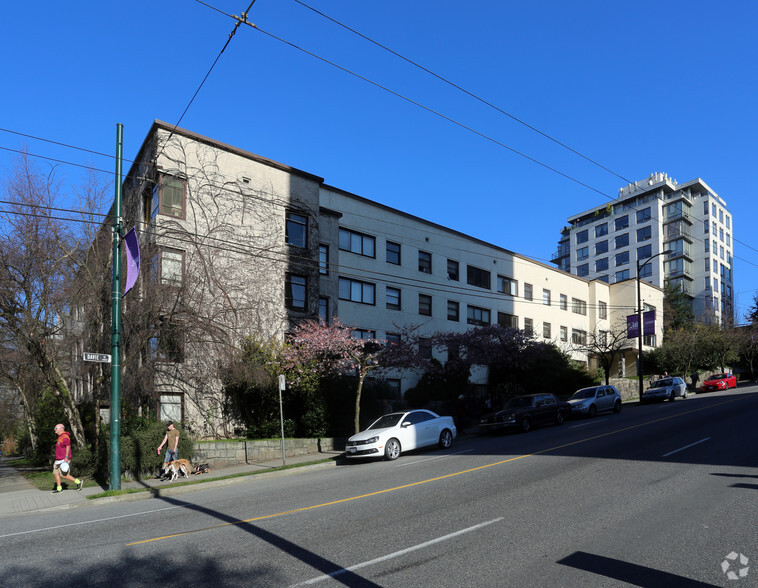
point(18, 496)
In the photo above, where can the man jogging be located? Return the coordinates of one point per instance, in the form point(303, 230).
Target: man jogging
point(63, 456)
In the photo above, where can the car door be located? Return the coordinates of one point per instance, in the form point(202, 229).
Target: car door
point(546, 407)
point(407, 432)
point(601, 400)
point(426, 429)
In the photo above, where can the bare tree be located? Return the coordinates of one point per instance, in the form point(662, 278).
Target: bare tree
point(605, 347)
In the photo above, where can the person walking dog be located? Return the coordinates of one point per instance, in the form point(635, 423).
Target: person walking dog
point(62, 464)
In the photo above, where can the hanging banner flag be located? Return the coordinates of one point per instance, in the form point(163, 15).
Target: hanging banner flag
point(648, 322)
point(132, 259)
point(632, 326)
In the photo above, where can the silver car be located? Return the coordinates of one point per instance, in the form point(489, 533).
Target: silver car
point(590, 401)
point(667, 388)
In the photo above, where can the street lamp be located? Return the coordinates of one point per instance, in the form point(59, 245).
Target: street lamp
point(639, 316)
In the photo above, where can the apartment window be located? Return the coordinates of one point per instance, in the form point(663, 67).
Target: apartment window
point(391, 339)
point(425, 305)
point(582, 253)
point(706, 245)
point(546, 330)
point(646, 270)
point(168, 197)
point(323, 309)
point(527, 291)
point(393, 298)
point(601, 247)
point(425, 348)
point(358, 243)
point(721, 233)
point(643, 215)
point(601, 229)
point(721, 251)
point(564, 333)
point(644, 233)
point(603, 339)
point(363, 334)
point(644, 252)
point(546, 297)
point(602, 310)
point(622, 258)
point(622, 275)
point(578, 337)
point(167, 345)
point(507, 286)
point(425, 262)
point(715, 266)
point(714, 227)
point(578, 306)
point(528, 326)
point(728, 222)
point(622, 240)
point(295, 292)
point(601, 265)
point(728, 240)
point(453, 310)
point(296, 230)
point(452, 270)
point(583, 270)
point(507, 320)
point(603, 278)
point(477, 277)
point(357, 291)
point(563, 302)
point(713, 209)
point(582, 236)
point(171, 407)
point(622, 222)
point(171, 267)
point(706, 226)
point(721, 216)
point(393, 253)
point(478, 316)
point(323, 260)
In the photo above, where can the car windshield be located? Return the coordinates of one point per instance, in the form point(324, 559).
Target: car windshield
point(663, 383)
point(584, 393)
point(519, 402)
point(388, 420)
point(718, 377)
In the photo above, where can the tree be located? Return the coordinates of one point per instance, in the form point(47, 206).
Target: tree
point(752, 312)
point(747, 341)
point(677, 308)
point(605, 346)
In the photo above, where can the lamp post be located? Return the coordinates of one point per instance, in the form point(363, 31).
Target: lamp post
point(639, 317)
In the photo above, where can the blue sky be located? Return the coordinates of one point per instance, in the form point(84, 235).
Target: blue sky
point(639, 87)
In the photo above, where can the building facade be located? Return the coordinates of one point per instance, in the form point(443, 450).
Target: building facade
point(688, 220)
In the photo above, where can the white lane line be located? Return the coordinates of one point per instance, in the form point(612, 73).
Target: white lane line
point(431, 458)
point(89, 522)
point(686, 447)
point(592, 422)
point(398, 553)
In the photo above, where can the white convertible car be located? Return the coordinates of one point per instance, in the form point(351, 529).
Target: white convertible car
point(393, 433)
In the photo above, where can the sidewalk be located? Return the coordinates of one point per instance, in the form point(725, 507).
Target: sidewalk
point(18, 496)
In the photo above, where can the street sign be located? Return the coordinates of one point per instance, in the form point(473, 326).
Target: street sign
point(99, 357)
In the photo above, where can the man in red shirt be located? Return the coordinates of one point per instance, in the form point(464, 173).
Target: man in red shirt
point(63, 455)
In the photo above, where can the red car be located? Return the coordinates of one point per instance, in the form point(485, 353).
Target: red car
point(719, 382)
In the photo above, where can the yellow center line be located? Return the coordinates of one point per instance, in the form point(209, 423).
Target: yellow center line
point(438, 478)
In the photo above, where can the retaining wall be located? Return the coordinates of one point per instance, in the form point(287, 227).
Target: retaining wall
point(228, 453)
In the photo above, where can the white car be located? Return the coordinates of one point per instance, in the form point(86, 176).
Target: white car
point(590, 401)
point(393, 433)
point(667, 388)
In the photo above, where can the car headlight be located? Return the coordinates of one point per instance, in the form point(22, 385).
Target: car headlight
point(509, 418)
point(373, 439)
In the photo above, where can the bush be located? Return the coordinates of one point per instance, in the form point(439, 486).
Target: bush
point(272, 430)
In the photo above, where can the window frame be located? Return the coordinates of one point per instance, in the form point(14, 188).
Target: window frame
point(364, 286)
point(290, 223)
point(362, 238)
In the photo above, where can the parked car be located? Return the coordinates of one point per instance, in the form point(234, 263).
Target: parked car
point(590, 401)
point(396, 432)
point(665, 389)
point(525, 412)
point(719, 382)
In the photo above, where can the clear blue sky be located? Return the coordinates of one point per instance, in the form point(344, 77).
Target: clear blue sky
point(639, 87)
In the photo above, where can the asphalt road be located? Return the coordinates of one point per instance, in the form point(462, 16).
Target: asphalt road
point(659, 495)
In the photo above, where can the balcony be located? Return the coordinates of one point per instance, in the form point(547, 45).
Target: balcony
point(678, 231)
point(685, 252)
point(562, 252)
point(674, 215)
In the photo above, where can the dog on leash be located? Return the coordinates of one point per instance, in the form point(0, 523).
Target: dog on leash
point(174, 468)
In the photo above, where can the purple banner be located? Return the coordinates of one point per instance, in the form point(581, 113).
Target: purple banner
point(632, 327)
point(648, 322)
point(132, 259)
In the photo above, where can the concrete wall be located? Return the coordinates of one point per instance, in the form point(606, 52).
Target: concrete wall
point(220, 454)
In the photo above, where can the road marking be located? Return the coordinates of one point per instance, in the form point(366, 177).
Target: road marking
point(407, 463)
point(686, 447)
point(398, 553)
point(592, 422)
point(437, 479)
point(136, 514)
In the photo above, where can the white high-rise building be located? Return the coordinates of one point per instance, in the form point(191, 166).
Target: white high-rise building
point(612, 241)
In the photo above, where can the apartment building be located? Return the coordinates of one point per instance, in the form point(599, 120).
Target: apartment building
point(258, 246)
point(688, 220)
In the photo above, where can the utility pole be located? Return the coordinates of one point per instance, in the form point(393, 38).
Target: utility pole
point(115, 457)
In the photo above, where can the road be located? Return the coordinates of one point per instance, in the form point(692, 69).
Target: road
point(658, 495)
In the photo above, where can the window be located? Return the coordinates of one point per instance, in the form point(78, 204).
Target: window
point(705, 208)
point(391, 339)
point(622, 258)
point(582, 236)
point(643, 215)
point(393, 253)
point(582, 253)
point(477, 277)
point(644, 233)
point(622, 275)
point(478, 316)
point(295, 292)
point(527, 291)
point(546, 297)
point(713, 210)
point(425, 262)
point(323, 260)
point(452, 270)
point(528, 326)
point(425, 304)
point(601, 247)
point(622, 240)
point(601, 265)
point(296, 230)
point(453, 310)
point(706, 226)
point(721, 216)
point(323, 309)
point(728, 240)
point(728, 222)
point(706, 244)
point(583, 270)
point(564, 333)
point(644, 252)
point(171, 407)
point(507, 286)
point(578, 306)
point(171, 267)
point(603, 278)
point(357, 291)
point(603, 339)
point(646, 270)
point(425, 348)
point(721, 251)
point(715, 266)
point(622, 222)
point(507, 320)
point(578, 337)
point(721, 233)
point(393, 298)
point(355, 242)
point(168, 197)
point(601, 229)
point(602, 310)
point(363, 334)
point(167, 345)
point(546, 330)
point(563, 302)
point(714, 227)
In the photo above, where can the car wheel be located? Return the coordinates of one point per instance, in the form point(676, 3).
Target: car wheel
point(392, 450)
point(672, 397)
point(559, 418)
point(526, 425)
point(684, 394)
point(592, 411)
point(446, 439)
point(617, 407)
